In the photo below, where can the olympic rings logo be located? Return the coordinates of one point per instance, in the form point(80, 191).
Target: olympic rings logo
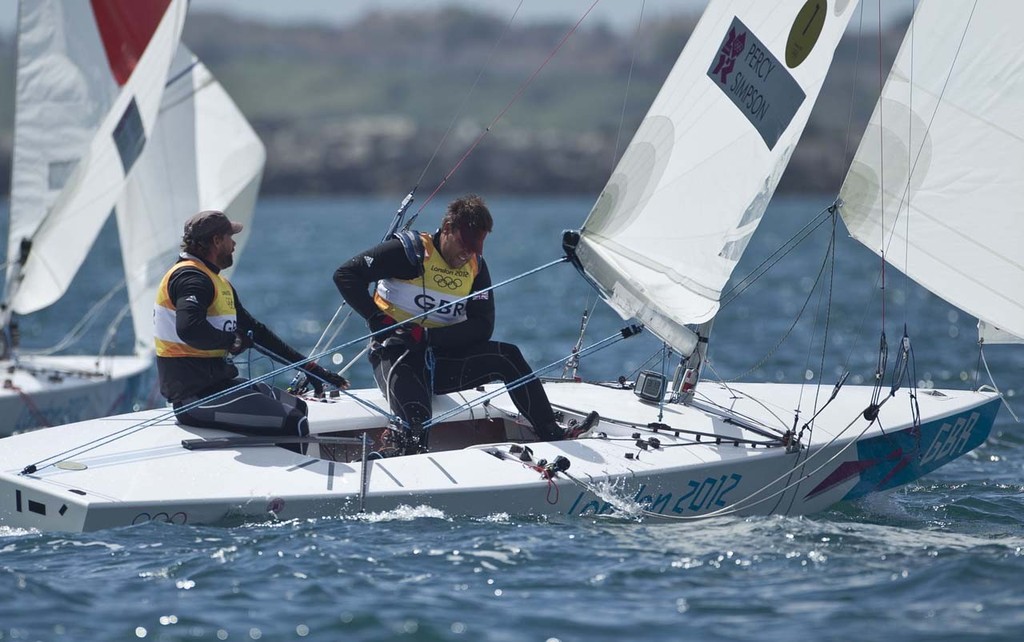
point(449, 282)
point(177, 518)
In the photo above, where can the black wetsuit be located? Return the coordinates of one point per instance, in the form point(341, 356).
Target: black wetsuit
point(257, 409)
point(464, 355)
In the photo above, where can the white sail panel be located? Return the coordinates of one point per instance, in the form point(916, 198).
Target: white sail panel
point(158, 196)
point(202, 155)
point(936, 181)
point(67, 231)
point(60, 102)
point(689, 191)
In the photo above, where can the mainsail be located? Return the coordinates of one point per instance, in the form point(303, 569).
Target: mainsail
point(936, 183)
point(89, 82)
point(689, 191)
point(203, 155)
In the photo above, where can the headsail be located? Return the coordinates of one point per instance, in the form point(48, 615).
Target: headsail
point(689, 191)
point(203, 155)
point(90, 78)
point(936, 181)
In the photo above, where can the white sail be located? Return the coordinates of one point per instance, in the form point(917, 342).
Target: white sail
point(90, 79)
point(689, 191)
point(202, 155)
point(936, 182)
point(57, 108)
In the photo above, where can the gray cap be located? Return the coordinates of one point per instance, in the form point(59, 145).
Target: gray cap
point(210, 223)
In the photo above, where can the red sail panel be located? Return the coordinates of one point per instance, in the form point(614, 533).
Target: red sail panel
point(126, 27)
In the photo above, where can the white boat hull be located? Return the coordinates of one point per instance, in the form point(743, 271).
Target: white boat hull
point(49, 391)
point(737, 466)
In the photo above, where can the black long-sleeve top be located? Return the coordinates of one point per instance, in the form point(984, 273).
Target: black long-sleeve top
point(185, 377)
point(389, 260)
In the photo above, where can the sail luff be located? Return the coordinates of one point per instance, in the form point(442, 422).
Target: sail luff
point(690, 190)
point(936, 179)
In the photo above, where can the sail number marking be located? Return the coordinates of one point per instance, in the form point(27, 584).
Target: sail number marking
point(951, 439)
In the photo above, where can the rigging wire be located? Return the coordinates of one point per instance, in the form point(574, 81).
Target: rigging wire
point(735, 291)
point(808, 426)
point(629, 79)
point(79, 329)
point(521, 381)
point(632, 375)
point(108, 338)
point(728, 296)
point(751, 500)
point(725, 384)
point(937, 99)
point(830, 260)
point(501, 114)
point(465, 100)
point(910, 174)
point(574, 362)
point(408, 199)
point(799, 314)
point(128, 430)
point(984, 362)
point(881, 180)
point(853, 87)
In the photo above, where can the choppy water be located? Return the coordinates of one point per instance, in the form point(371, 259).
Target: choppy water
point(939, 560)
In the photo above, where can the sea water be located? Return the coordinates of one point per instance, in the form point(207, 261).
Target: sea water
point(937, 560)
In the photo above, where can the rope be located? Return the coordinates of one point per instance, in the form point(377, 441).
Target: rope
point(101, 441)
point(465, 100)
point(78, 330)
point(512, 385)
point(32, 407)
point(629, 79)
point(746, 503)
point(501, 114)
point(825, 261)
point(409, 198)
point(995, 387)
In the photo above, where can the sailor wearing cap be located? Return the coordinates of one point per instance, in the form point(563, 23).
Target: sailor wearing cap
point(199, 321)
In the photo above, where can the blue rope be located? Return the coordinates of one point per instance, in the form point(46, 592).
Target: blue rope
point(428, 359)
point(124, 432)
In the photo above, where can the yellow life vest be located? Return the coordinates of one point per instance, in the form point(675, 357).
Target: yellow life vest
point(434, 291)
point(220, 314)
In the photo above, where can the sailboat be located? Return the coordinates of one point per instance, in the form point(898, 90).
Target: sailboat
point(659, 245)
point(74, 165)
point(90, 77)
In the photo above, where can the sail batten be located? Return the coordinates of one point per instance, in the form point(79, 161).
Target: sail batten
point(674, 219)
point(936, 179)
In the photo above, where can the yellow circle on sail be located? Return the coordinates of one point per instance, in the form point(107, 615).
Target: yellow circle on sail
point(805, 31)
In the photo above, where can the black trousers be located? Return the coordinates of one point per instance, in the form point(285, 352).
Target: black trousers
point(405, 379)
point(257, 409)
